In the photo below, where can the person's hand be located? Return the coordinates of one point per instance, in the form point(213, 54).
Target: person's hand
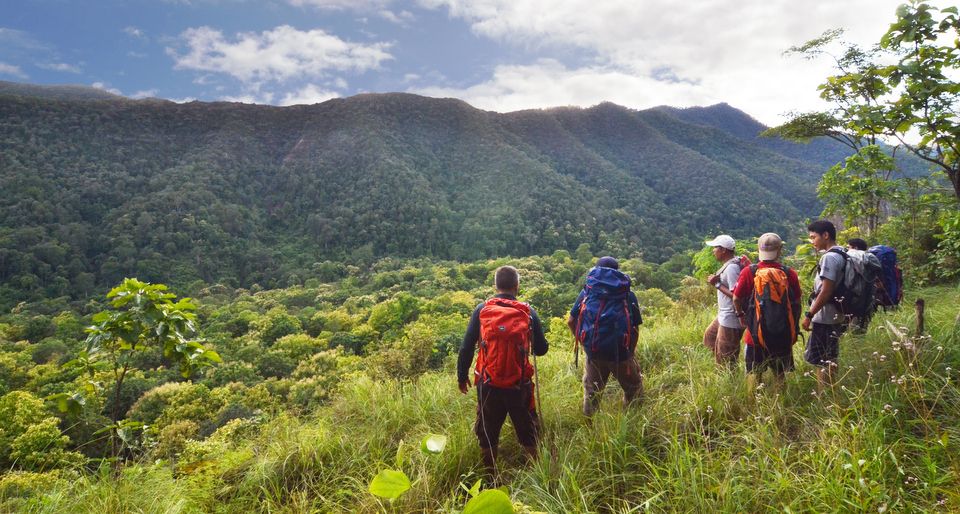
point(805, 324)
point(713, 279)
point(464, 386)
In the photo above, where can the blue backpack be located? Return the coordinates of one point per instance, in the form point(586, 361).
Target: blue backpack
point(604, 325)
point(890, 280)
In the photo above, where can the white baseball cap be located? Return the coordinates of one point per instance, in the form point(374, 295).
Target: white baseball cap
point(724, 241)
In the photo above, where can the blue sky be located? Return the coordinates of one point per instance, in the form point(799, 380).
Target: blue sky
point(500, 55)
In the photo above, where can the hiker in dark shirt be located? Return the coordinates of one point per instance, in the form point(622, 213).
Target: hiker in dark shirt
point(506, 331)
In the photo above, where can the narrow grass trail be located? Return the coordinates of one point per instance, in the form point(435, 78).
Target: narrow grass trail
point(885, 439)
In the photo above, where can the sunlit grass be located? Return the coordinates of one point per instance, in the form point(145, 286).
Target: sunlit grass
point(885, 439)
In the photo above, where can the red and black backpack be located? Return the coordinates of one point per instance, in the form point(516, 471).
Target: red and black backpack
point(505, 344)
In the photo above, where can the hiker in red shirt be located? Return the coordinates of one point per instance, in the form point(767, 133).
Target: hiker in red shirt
point(767, 298)
point(507, 331)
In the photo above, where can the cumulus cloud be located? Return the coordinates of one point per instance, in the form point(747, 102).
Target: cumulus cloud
point(20, 41)
point(549, 83)
point(307, 95)
point(11, 70)
point(105, 87)
point(354, 5)
point(276, 55)
point(146, 93)
point(60, 66)
point(133, 32)
point(730, 50)
point(402, 18)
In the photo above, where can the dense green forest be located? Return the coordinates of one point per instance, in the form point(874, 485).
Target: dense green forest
point(95, 188)
point(294, 416)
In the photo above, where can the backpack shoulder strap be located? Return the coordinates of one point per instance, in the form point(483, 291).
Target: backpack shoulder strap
point(842, 253)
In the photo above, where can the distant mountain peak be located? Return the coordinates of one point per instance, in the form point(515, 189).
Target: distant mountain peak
point(57, 92)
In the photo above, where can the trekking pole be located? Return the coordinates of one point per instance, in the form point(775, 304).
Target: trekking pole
point(536, 385)
point(576, 353)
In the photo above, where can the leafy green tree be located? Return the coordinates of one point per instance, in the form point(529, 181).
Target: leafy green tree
point(857, 189)
point(276, 324)
point(142, 317)
point(907, 85)
point(30, 438)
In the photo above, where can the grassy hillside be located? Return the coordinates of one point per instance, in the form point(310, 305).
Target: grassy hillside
point(884, 440)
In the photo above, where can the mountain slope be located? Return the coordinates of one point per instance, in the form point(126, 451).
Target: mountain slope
point(95, 190)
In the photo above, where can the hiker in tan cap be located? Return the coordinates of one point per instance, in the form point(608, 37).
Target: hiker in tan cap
point(767, 297)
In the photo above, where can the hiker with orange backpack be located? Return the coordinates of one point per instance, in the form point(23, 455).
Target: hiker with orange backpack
point(723, 335)
point(507, 332)
point(604, 320)
point(768, 301)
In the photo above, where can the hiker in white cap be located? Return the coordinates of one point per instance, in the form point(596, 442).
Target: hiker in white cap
point(723, 335)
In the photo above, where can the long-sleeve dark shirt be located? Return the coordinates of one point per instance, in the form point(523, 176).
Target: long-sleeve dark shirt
point(470, 339)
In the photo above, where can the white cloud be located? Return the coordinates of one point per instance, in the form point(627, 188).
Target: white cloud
point(146, 93)
point(11, 70)
point(729, 50)
point(60, 66)
point(105, 87)
point(402, 18)
point(19, 40)
point(307, 95)
point(353, 5)
point(276, 55)
point(548, 83)
point(133, 32)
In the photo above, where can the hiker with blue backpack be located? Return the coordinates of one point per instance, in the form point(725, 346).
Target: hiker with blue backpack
point(872, 267)
point(722, 336)
point(889, 290)
point(604, 321)
point(507, 331)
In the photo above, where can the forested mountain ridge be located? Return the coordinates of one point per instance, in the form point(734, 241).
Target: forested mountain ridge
point(98, 189)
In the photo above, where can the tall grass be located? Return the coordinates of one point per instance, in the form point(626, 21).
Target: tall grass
point(886, 438)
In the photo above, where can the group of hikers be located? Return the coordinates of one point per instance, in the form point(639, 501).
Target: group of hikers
point(758, 302)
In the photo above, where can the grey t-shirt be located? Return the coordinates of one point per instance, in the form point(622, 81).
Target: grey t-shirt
point(729, 274)
point(831, 268)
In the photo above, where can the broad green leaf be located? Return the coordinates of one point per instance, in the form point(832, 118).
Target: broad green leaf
point(212, 356)
point(491, 501)
point(433, 443)
point(389, 484)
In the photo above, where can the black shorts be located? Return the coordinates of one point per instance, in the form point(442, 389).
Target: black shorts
point(493, 406)
point(823, 346)
point(758, 360)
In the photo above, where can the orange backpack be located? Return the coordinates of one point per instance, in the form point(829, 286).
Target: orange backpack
point(772, 316)
point(505, 338)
